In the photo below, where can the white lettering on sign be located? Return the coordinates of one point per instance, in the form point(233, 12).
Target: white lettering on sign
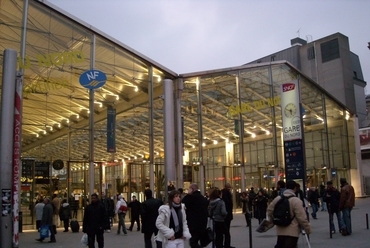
point(92, 75)
point(288, 87)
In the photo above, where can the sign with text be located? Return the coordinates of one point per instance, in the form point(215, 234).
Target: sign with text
point(294, 160)
point(42, 169)
point(291, 114)
point(93, 79)
point(292, 131)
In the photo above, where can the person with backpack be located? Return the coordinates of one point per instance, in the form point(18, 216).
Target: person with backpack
point(289, 216)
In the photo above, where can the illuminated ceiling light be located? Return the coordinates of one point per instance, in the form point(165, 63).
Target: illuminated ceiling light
point(117, 97)
point(347, 115)
point(253, 135)
point(204, 144)
point(44, 132)
point(59, 125)
point(37, 135)
point(136, 89)
point(215, 142)
point(67, 120)
point(99, 103)
point(267, 132)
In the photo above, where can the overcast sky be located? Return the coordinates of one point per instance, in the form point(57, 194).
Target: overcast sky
point(196, 35)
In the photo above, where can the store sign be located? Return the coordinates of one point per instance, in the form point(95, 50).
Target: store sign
point(42, 169)
point(93, 79)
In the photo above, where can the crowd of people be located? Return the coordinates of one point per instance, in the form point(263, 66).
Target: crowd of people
point(186, 216)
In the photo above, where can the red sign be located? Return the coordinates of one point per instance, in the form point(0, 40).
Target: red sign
point(288, 87)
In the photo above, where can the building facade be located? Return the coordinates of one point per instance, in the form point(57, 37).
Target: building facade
point(210, 110)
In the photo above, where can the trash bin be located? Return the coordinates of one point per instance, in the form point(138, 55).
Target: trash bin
point(20, 222)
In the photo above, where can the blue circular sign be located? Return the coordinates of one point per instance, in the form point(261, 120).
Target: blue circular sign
point(93, 79)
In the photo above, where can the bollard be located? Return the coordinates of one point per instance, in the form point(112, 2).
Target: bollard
point(367, 221)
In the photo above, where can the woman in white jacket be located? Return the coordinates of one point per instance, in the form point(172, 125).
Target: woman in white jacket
point(171, 222)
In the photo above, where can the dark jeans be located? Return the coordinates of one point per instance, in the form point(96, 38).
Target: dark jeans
point(66, 224)
point(195, 238)
point(227, 241)
point(347, 219)
point(99, 238)
point(148, 239)
point(220, 229)
point(133, 219)
point(286, 242)
point(38, 224)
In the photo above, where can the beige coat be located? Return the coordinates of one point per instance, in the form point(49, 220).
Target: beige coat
point(297, 210)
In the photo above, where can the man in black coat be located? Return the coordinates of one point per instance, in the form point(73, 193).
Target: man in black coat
point(47, 219)
point(135, 205)
point(149, 214)
point(332, 196)
point(227, 198)
point(196, 214)
point(109, 209)
point(95, 221)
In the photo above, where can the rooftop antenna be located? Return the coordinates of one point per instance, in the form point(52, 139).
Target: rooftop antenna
point(298, 33)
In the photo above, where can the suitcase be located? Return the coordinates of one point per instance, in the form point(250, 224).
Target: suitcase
point(75, 226)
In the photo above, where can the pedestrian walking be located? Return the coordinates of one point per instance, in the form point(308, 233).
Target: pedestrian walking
point(245, 209)
point(227, 198)
point(331, 197)
point(95, 222)
point(47, 219)
point(196, 214)
point(288, 235)
point(149, 214)
point(218, 213)
point(39, 207)
point(171, 222)
point(121, 209)
point(109, 209)
point(313, 199)
point(346, 203)
point(260, 202)
point(65, 214)
point(135, 206)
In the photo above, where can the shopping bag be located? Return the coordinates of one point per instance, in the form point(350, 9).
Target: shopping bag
point(84, 239)
point(44, 231)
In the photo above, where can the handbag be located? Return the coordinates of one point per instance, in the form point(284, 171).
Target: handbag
point(84, 239)
point(208, 235)
point(44, 231)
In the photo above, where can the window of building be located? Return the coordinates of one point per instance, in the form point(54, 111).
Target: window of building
point(330, 50)
point(311, 53)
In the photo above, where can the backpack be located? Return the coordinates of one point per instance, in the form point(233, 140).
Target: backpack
point(281, 215)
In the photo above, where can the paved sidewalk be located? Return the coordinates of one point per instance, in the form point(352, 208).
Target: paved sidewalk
point(320, 238)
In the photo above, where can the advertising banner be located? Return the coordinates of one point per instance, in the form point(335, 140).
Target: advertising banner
point(111, 130)
point(292, 131)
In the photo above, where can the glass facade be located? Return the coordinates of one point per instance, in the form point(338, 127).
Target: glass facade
point(213, 105)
